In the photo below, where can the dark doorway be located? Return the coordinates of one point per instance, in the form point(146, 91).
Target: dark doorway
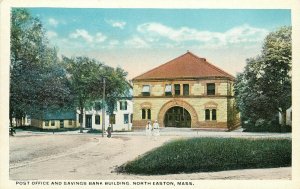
point(177, 117)
point(88, 121)
point(61, 123)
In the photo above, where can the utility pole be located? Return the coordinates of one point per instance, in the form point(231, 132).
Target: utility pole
point(103, 107)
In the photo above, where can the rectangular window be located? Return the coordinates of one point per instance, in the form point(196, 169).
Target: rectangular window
point(70, 121)
point(186, 89)
point(149, 114)
point(177, 89)
point(207, 114)
point(46, 123)
point(143, 114)
point(146, 90)
point(126, 118)
point(123, 105)
point(168, 90)
point(52, 123)
point(214, 114)
point(97, 119)
point(131, 118)
point(210, 88)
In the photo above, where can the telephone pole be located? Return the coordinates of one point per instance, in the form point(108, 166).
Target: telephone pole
point(103, 107)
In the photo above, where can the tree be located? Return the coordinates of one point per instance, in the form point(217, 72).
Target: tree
point(276, 81)
point(117, 87)
point(83, 77)
point(264, 88)
point(37, 79)
point(86, 79)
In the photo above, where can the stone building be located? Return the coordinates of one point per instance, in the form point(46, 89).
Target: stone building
point(186, 92)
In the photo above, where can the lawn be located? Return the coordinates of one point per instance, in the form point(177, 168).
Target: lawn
point(211, 154)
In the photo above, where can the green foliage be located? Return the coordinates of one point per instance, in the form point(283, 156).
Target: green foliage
point(264, 88)
point(36, 129)
point(86, 77)
point(232, 115)
point(37, 79)
point(212, 154)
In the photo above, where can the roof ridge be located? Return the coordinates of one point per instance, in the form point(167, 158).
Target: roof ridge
point(211, 65)
point(161, 65)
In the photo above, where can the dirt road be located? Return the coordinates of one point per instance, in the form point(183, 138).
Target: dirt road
point(93, 157)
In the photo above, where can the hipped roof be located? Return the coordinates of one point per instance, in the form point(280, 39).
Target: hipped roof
point(187, 65)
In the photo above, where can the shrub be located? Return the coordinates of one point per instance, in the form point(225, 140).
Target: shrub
point(212, 154)
point(36, 129)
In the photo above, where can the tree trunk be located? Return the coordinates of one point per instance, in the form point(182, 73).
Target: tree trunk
point(283, 121)
point(81, 122)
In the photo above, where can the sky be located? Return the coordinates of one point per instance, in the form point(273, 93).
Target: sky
point(138, 40)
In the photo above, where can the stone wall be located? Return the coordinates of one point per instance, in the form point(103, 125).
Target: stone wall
point(195, 106)
point(195, 103)
point(197, 87)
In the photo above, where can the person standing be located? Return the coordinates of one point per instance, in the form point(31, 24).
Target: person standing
point(109, 131)
point(148, 129)
point(155, 129)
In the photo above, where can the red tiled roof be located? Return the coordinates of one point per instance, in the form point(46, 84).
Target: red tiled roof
point(187, 65)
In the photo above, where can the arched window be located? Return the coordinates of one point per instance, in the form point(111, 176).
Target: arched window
point(146, 112)
point(207, 114)
point(214, 114)
point(149, 114)
point(143, 114)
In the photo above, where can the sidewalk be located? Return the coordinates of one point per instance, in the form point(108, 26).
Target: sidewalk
point(186, 132)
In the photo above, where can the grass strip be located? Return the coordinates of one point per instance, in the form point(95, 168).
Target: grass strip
point(212, 154)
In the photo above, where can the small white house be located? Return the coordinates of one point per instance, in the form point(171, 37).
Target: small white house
point(24, 121)
point(121, 119)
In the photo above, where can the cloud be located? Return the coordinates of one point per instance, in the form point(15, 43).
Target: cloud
point(116, 24)
point(52, 22)
point(100, 37)
point(234, 36)
point(136, 42)
point(81, 33)
point(51, 34)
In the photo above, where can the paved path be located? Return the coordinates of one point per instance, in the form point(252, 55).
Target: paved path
point(186, 132)
point(89, 156)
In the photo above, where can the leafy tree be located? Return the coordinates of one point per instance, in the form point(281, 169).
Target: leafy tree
point(86, 79)
point(84, 82)
point(37, 79)
point(117, 87)
point(264, 88)
point(276, 80)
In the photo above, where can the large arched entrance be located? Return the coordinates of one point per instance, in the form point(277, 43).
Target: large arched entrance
point(177, 117)
point(183, 108)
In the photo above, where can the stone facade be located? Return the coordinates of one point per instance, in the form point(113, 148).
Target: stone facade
point(195, 103)
point(187, 91)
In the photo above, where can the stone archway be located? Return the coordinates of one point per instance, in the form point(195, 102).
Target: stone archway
point(180, 103)
point(177, 117)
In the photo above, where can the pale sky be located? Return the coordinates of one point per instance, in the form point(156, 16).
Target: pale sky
point(138, 40)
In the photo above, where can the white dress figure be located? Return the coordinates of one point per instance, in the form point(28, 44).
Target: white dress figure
point(155, 129)
point(148, 129)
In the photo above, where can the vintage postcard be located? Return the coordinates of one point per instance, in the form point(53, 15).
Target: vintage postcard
point(170, 94)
